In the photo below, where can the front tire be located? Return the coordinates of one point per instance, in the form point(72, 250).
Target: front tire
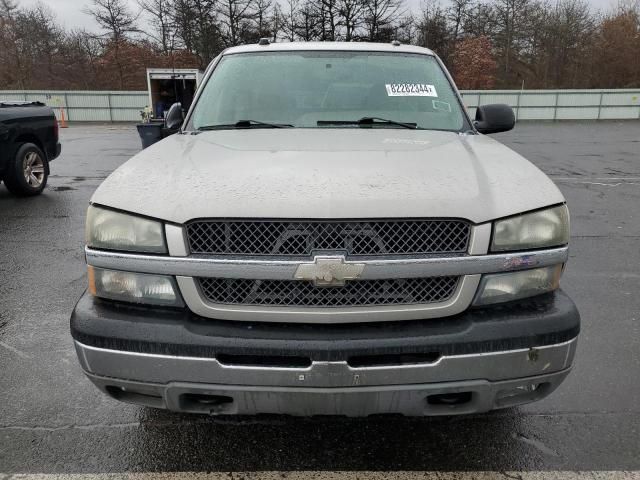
point(29, 171)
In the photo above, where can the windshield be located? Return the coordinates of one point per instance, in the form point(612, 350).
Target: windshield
point(328, 90)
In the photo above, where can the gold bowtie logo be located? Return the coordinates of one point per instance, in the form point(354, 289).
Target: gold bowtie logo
point(329, 271)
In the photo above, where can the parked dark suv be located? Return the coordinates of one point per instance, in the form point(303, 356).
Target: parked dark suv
point(28, 142)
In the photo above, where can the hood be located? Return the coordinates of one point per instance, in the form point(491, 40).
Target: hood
point(327, 173)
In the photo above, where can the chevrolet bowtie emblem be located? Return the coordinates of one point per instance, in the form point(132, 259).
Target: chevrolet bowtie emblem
point(329, 271)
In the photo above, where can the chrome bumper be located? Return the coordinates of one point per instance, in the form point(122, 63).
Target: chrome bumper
point(203, 385)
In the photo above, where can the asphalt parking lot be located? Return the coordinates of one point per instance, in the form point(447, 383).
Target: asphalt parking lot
point(52, 420)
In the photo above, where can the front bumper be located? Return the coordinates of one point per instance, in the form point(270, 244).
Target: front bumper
point(445, 398)
point(472, 362)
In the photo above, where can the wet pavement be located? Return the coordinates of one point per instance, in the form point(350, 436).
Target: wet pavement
point(52, 420)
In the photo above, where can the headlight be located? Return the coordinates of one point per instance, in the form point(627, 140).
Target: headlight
point(505, 287)
point(545, 228)
point(118, 231)
point(133, 287)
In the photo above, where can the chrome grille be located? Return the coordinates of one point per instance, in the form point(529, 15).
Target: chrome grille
point(293, 293)
point(303, 238)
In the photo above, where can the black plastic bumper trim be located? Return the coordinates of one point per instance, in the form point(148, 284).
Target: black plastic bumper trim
point(544, 320)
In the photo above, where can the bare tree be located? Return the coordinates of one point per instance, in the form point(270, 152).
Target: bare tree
point(578, 35)
point(330, 19)
point(457, 13)
point(290, 19)
point(514, 28)
point(115, 17)
point(85, 51)
point(161, 13)
point(10, 59)
point(207, 32)
point(197, 28)
point(262, 20)
point(433, 29)
point(546, 44)
point(7, 8)
point(631, 7)
point(232, 15)
point(379, 15)
point(46, 38)
point(481, 21)
point(404, 30)
point(184, 21)
point(277, 21)
point(30, 43)
point(308, 24)
point(617, 49)
point(351, 13)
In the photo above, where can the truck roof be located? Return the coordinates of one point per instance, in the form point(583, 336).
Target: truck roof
point(394, 47)
point(19, 103)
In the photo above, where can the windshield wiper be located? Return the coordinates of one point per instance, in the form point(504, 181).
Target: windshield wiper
point(368, 121)
point(244, 124)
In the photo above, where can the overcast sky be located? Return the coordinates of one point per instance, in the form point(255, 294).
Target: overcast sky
point(69, 12)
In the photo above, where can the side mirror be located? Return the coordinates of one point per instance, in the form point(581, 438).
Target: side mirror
point(175, 117)
point(494, 118)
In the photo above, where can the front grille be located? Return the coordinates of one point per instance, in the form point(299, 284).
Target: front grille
point(294, 293)
point(354, 238)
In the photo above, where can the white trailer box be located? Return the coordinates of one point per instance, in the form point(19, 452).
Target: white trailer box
point(170, 85)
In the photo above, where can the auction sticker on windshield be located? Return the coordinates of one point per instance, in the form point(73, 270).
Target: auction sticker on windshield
point(410, 90)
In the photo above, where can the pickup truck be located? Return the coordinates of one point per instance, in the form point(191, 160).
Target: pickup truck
point(329, 233)
point(28, 142)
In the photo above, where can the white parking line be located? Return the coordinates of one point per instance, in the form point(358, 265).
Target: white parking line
point(597, 180)
point(606, 182)
point(579, 179)
point(541, 475)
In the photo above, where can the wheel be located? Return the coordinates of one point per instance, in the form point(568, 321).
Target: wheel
point(28, 173)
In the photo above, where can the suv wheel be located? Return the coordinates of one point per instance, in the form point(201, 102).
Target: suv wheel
point(28, 173)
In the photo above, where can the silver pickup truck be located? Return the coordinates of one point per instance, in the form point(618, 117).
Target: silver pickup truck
point(329, 233)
